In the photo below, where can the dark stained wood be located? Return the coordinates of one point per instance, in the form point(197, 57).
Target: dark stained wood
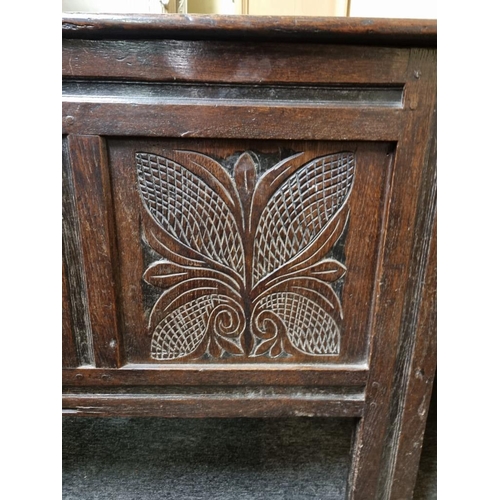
point(75, 305)
point(245, 404)
point(232, 62)
point(218, 93)
point(370, 196)
point(230, 121)
point(91, 179)
point(420, 380)
point(417, 358)
point(69, 354)
point(398, 32)
point(367, 479)
point(195, 375)
point(225, 275)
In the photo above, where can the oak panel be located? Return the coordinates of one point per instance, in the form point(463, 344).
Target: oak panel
point(88, 161)
point(137, 251)
point(232, 62)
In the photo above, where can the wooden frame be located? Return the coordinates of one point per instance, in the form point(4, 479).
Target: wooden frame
point(162, 81)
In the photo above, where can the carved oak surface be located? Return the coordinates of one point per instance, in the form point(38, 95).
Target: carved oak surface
point(250, 226)
point(244, 264)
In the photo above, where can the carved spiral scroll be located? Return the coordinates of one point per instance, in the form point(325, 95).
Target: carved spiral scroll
point(209, 318)
point(309, 328)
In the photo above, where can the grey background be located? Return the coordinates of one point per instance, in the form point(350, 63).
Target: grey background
point(217, 459)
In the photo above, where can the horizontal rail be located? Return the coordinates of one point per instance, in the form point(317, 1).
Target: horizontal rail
point(232, 121)
point(243, 404)
point(234, 375)
point(216, 94)
point(316, 29)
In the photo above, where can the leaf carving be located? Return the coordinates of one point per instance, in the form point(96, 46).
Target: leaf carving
point(165, 274)
point(181, 332)
point(191, 210)
point(300, 210)
point(309, 327)
point(245, 177)
point(244, 267)
point(188, 322)
point(325, 270)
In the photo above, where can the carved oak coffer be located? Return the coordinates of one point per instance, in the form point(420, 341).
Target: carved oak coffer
point(249, 225)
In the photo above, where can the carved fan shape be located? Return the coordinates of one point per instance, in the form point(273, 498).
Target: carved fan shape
point(244, 263)
point(190, 210)
point(300, 210)
point(309, 327)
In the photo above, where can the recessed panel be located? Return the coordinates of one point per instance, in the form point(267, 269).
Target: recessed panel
point(247, 251)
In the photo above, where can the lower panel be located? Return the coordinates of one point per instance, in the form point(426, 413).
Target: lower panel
point(244, 459)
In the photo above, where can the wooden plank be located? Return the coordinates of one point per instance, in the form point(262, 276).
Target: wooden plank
point(417, 393)
point(417, 358)
point(69, 353)
point(236, 375)
point(415, 32)
point(217, 405)
point(233, 121)
point(77, 330)
point(93, 201)
point(370, 465)
point(232, 62)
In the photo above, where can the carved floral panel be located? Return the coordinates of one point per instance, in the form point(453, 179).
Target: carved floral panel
point(245, 267)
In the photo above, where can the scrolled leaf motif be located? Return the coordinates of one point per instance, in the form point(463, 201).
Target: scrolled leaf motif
point(309, 327)
point(187, 321)
point(165, 274)
point(226, 324)
point(310, 312)
point(245, 254)
point(328, 270)
point(268, 330)
point(300, 210)
point(193, 207)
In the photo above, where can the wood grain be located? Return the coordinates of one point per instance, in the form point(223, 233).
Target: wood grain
point(367, 478)
point(206, 405)
point(335, 30)
point(417, 357)
point(77, 330)
point(91, 184)
point(232, 121)
point(195, 375)
point(69, 353)
point(232, 62)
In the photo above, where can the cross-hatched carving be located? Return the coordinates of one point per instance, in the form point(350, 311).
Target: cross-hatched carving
point(245, 264)
point(309, 329)
point(299, 210)
point(189, 210)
